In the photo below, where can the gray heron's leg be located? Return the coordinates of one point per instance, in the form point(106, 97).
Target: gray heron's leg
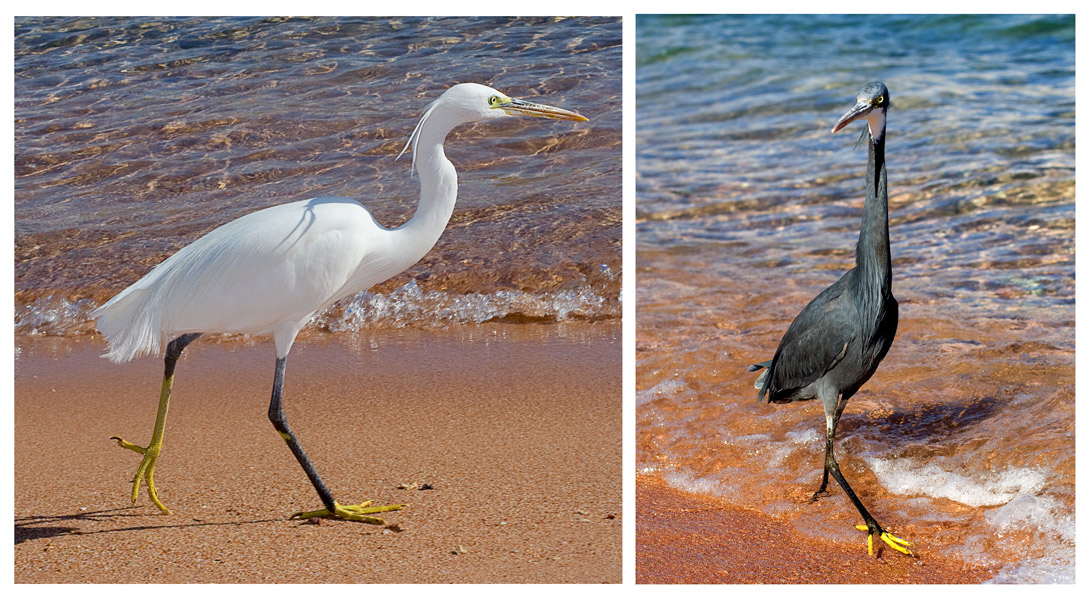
point(831, 466)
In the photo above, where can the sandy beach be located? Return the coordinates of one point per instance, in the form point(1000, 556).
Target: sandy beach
point(689, 538)
point(516, 429)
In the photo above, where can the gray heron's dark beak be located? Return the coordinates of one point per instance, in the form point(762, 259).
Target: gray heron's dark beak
point(860, 110)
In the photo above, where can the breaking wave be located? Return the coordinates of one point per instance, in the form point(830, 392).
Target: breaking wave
point(406, 306)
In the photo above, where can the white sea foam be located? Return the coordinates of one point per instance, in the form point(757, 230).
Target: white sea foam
point(805, 437)
point(53, 316)
point(405, 306)
point(685, 481)
point(1020, 507)
point(768, 452)
point(1041, 512)
point(669, 387)
point(906, 477)
point(408, 305)
point(1057, 568)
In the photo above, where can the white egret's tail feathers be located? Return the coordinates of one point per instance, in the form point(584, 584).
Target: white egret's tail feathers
point(134, 323)
point(130, 326)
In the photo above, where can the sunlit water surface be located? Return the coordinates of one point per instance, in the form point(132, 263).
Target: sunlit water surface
point(133, 137)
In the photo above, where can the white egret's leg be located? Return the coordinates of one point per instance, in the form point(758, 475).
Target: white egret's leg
point(355, 512)
point(146, 470)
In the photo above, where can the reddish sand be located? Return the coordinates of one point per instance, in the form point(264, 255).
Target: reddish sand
point(518, 432)
point(687, 538)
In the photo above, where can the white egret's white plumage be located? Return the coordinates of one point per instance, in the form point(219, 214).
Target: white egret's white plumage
point(271, 271)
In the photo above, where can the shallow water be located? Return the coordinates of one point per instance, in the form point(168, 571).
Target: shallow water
point(135, 136)
point(963, 439)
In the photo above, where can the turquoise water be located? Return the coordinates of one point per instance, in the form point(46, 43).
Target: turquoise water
point(733, 122)
point(134, 136)
point(748, 207)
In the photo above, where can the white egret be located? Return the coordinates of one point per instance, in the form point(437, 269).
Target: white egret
point(270, 271)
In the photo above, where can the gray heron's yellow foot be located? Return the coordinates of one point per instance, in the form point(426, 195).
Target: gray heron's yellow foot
point(353, 512)
point(145, 472)
point(895, 542)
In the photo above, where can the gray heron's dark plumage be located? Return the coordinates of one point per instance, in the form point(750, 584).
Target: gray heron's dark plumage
point(836, 343)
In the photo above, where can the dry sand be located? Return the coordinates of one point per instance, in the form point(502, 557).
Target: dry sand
point(689, 538)
point(517, 429)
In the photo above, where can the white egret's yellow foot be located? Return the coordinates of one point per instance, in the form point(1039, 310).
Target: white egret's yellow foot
point(353, 512)
point(145, 472)
point(895, 542)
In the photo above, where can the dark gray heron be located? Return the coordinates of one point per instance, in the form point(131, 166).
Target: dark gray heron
point(835, 344)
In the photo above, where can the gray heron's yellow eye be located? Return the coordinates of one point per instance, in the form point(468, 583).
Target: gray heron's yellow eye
point(879, 101)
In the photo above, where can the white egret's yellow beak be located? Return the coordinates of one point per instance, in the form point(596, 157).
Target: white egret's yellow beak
point(516, 107)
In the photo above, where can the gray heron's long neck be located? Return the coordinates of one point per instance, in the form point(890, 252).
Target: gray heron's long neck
point(438, 193)
point(873, 254)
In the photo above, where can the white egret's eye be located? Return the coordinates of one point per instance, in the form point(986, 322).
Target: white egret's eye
point(493, 100)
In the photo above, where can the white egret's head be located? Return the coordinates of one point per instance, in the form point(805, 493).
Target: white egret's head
point(468, 102)
point(475, 102)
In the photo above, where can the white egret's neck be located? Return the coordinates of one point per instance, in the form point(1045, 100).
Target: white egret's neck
point(438, 190)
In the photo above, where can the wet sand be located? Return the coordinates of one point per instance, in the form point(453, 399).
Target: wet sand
point(689, 538)
point(960, 443)
point(518, 432)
